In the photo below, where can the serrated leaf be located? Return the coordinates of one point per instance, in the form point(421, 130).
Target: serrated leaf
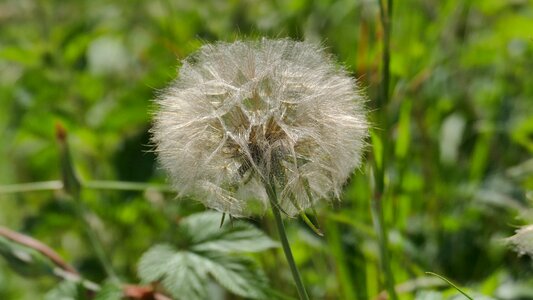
point(176, 271)
point(185, 274)
point(208, 253)
point(207, 235)
point(241, 238)
point(239, 275)
point(153, 262)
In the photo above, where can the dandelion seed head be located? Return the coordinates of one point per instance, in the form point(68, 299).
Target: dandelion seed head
point(245, 112)
point(522, 241)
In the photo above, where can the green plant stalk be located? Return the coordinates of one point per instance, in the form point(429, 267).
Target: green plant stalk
point(378, 196)
point(73, 187)
point(55, 185)
point(31, 187)
point(125, 186)
point(272, 196)
point(385, 17)
point(95, 242)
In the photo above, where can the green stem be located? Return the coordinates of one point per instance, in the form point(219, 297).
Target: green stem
point(54, 185)
point(381, 230)
point(379, 169)
point(31, 187)
point(385, 16)
point(73, 187)
point(125, 186)
point(94, 241)
point(272, 196)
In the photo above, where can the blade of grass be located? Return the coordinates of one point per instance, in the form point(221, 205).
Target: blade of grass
point(450, 283)
point(342, 268)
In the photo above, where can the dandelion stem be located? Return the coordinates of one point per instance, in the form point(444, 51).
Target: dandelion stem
point(272, 196)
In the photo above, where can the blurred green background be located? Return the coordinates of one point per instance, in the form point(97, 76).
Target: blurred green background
point(460, 174)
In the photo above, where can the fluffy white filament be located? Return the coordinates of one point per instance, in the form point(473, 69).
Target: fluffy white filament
point(245, 113)
point(522, 241)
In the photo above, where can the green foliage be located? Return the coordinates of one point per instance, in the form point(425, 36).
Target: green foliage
point(76, 290)
point(204, 233)
point(67, 290)
point(109, 291)
point(184, 271)
point(204, 250)
point(459, 148)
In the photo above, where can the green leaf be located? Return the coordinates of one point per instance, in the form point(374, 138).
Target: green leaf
point(109, 291)
point(175, 269)
point(237, 274)
point(207, 253)
point(185, 274)
point(237, 237)
point(67, 290)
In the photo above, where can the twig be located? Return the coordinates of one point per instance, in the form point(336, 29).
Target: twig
point(38, 246)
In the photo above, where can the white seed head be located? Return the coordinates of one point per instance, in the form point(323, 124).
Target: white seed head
point(245, 113)
point(522, 241)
